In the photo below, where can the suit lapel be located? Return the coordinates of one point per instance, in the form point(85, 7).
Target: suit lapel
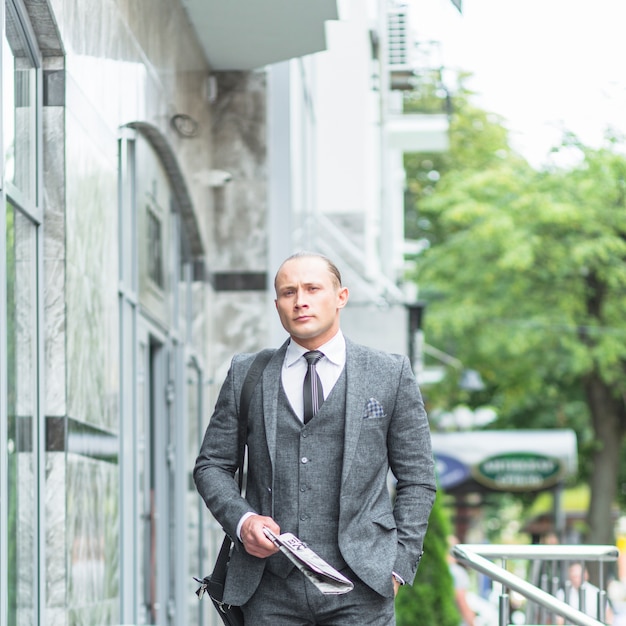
point(356, 389)
point(271, 384)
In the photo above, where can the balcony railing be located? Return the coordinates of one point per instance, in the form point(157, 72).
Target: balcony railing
point(480, 558)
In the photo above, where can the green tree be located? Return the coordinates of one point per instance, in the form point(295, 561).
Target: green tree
point(430, 600)
point(525, 280)
point(478, 141)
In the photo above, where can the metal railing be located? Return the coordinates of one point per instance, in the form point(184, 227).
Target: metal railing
point(477, 556)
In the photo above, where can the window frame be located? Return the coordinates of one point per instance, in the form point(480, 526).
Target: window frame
point(28, 205)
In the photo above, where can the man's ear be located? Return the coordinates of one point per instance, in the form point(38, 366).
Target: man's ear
point(342, 297)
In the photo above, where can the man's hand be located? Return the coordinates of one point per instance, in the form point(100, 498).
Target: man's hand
point(396, 585)
point(253, 538)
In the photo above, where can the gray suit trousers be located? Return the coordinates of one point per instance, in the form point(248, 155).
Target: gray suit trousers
point(295, 601)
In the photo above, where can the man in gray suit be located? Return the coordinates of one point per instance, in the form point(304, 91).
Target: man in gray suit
point(319, 468)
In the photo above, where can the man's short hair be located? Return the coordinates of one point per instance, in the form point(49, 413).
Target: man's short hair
point(332, 268)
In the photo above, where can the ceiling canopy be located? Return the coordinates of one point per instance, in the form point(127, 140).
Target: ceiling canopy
point(240, 35)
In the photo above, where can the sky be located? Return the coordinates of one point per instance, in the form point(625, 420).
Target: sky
point(544, 65)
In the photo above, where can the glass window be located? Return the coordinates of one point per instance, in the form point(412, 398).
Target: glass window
point(154, 256)
point(19, 412)
point(19, 118)
point(21, 264)
point(156, 279)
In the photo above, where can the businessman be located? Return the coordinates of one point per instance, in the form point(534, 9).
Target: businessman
point(327, 422)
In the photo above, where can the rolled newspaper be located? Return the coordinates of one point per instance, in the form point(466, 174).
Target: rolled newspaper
point(325, 577)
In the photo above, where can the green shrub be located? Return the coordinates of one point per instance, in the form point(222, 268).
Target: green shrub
point(430, 600)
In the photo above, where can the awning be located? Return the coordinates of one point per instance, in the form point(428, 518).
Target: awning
point(237, 35)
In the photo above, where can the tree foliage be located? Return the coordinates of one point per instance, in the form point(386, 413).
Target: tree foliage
point(525, 280)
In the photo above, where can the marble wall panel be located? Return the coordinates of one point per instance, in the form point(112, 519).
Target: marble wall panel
point(24, 320)
point(54, 175)
point(200, 312)
point(239, 129)
point(136, 61)
point(239, 220)
point(22, 542)
point(92, 275)
point(139, 60)
point(126, 60)
point(194, 153)
point(55, 337)
point(56, 617)
point(92, 530)
point(82, 541)
point(239, 139)
point(55, 558)
point(241, 326)
point(54, 257)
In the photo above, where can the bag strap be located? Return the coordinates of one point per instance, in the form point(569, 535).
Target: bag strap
point(214, 584)
point(252, 378)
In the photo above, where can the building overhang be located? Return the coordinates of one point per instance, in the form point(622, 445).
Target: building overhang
point(244, 36)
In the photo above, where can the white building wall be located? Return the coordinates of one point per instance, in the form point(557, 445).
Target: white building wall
point(346, 186)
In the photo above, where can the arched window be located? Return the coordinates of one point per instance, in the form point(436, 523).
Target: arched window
point(162, 315)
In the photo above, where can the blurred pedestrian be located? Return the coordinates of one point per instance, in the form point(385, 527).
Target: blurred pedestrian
point(581, 594)
point(461, 586)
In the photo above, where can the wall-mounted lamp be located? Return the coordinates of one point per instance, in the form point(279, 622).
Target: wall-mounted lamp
point(212, 178)
point(184, 125)
point(470, 380)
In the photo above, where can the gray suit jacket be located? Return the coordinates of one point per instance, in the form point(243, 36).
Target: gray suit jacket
point(386, 428)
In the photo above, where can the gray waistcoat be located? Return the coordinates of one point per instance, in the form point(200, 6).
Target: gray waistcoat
point(307, 477)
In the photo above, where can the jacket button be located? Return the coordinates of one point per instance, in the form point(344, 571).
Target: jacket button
point(304, 459)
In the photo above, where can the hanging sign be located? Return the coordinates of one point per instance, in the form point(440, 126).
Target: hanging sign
point(518, 471)
point(450, 471)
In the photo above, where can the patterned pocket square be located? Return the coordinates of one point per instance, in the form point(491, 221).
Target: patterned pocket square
point(373, 408)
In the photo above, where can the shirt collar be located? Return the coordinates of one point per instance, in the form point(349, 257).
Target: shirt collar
point(334, 350)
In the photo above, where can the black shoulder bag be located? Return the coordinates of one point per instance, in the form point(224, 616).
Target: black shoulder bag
point(214, 584)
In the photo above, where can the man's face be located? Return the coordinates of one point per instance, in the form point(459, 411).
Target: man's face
point(308, 301)
point(576, 575)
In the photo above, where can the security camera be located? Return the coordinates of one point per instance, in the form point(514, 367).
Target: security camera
point(213, 178)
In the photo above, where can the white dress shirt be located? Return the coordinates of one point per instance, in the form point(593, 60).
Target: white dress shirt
point(292, 375)
point(329, 369)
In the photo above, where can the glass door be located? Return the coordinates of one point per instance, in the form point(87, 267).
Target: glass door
point(152, 478)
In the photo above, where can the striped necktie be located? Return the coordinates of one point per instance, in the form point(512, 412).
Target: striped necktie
point(312, 390)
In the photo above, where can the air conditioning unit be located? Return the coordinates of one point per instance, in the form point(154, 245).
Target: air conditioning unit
point(398, 37)
point(399, 45)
